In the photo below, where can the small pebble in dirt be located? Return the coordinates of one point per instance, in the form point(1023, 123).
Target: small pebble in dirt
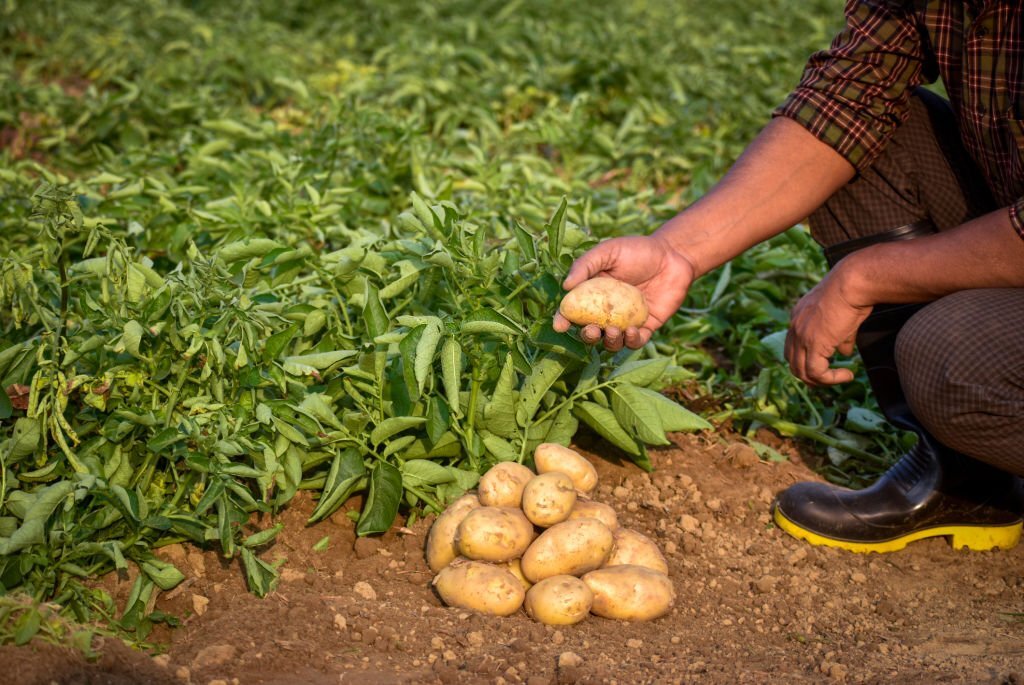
point(162, 660)
point(364, 590)
point(620, 492)
point(633, 643)
point(475, 638)
point(671, 547)
point(569, 660)
point(199, 604)
point(558, 638)
point(449, 655)
point(765, 584)
point(183, 673)
point(714, 504)
point(366, 547)
point(340, 622)
point(675, 640)
point(436, 643)
point(858, 577)
point(214, 655)
point(689, 523)
point(798, 555)
point(742, 456)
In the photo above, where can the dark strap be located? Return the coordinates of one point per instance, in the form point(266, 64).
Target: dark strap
point(833, 253)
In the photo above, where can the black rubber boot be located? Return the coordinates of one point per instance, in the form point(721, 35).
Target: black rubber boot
point(931, 491)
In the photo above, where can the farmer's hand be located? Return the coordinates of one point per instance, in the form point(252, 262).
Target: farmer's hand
point(823, 322)
point(661, 273)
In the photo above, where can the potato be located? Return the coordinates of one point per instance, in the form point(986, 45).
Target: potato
point(636, 549)
point(550, 457)
point(570, 548)
point(479, 587)
point(502, 485)
point(589, 509)
point(548, 498)
point(607, 302)
point(441, 547)
point(630, 593)
point(517, 571)
point(559, 601)
point(494, 534)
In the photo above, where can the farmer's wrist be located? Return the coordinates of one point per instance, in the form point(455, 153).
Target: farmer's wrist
point(853, 279)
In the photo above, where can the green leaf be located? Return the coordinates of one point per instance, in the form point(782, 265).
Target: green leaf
point(864, 420)
point(422, 472)
point(317, 405)
point(564, 427)
point(24, 439)
point(164, 574)
point(527, 245)
point(641, 372)
point(489, 321)
point(383, 499)
point(407, 348)
point(500, 412)
point(451, 373)
point(277, 343)
point(164, 439)
point(674, 417)
point(374, 316)
point(545, 372)
point(637, 414)
point(604, 423)
point(305, 364)
point(263, 537)
point(556, 229)
point(396, 424)
point(131, 338)
point(499, 448)
point(261, 577)
point(128, 501)
point(546, 337)
point(425, 349)
point(247, 249)
point(27, 626)
point(32, 530)
point(438, 419)
point(775, 343)
point(343, 480)
point(6, 408)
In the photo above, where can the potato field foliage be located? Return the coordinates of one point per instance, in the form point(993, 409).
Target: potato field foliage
point(253, 248)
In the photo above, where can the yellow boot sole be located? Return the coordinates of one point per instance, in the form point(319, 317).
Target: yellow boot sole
point(977, 538)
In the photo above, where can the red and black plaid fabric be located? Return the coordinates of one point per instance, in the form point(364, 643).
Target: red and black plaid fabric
point(854, 95)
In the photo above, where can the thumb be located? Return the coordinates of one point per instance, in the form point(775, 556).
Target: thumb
point(594, 261)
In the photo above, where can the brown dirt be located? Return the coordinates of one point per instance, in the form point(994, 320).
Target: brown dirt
point(754, 606)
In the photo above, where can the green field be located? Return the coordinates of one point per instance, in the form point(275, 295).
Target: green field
point(251, 248)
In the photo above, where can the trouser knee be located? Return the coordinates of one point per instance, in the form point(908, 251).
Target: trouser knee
point(956, 360)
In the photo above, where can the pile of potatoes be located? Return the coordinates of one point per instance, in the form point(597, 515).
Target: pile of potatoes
point(537, 541)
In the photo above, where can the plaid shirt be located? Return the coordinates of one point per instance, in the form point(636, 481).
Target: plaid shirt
point(854, 95)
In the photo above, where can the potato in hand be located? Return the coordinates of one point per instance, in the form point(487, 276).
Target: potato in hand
point(606, 302)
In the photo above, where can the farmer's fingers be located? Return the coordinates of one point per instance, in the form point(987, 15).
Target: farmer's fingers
point(590, 334)
point(636, 338)
point(613, 339)
point(561, 324)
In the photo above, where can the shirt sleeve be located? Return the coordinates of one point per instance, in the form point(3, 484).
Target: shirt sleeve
point(1017, 217)
point(854, 95)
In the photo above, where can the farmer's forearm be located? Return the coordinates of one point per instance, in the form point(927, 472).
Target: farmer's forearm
point(983, 253)
point(784, 175)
